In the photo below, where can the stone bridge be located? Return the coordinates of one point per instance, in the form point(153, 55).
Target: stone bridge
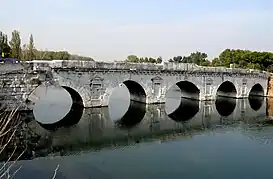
point(92, 83)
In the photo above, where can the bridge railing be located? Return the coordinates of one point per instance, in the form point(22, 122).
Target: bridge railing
point(190, 67)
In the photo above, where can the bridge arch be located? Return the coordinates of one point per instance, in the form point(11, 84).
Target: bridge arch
point(71, 117)
point(227, 89)
point(256, 90)
point(136, 90)
point(188, 90)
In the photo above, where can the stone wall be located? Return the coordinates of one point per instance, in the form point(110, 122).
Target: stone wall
point(17, 81)
point(270, 87)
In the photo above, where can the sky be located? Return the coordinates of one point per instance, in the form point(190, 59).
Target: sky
point(109, 30)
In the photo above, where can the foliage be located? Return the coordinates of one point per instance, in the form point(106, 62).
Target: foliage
point(245, 59)
point(15, 44)
point(198, 58)
point(31, 49)
point(239, 58)
point(4, 46)
point(14, 49)
point(136, 59)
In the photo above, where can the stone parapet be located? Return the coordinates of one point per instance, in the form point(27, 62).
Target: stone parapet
point(167, 66)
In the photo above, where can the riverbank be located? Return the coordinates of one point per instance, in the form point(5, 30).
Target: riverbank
point(18, 141)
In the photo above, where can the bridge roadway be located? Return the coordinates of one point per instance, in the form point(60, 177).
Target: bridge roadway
point(91, 84)
point(194, 117)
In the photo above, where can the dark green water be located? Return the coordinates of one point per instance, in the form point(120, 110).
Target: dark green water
point(181, 139)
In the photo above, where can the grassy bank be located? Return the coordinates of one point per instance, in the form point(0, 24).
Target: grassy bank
point(10, 122)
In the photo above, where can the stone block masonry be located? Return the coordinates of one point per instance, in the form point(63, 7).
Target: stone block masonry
point(92, 83)
point(17, 81)
point(270, 86)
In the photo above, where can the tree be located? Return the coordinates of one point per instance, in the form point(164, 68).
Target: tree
point(159, 60)
point(151, 60)
point(24, 54)
point(4, 47)
point(132, 58)
point(215, 62)
point(198, 58)
point(29, 52)
point(31, 49)
point(176, 59)
point(146, 59)
point(245, 59)
point(15, 44)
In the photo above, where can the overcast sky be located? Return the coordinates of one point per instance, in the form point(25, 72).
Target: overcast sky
point(110, 30)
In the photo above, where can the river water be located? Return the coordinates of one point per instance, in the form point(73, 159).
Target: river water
point(224, 139)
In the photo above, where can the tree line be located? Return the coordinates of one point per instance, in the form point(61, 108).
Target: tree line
point(238, 58)
point(136, 59)
point(14, 49)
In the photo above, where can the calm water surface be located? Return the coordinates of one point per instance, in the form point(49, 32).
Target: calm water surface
point(180, 139)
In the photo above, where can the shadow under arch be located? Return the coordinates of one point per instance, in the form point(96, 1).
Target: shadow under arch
point(72, 117)
point(227, 89)
point(256, 90)
point(137, 93)
point(225, 106)
point(256, 102)
point(188, 90)
point(187, 109)
point(133, 116)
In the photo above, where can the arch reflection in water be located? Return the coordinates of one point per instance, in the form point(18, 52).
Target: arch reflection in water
point(67, 111)
point(133, 116)
point(96, 129)
point(225, 106)
point(256, 102)
point(72, 118)
point(187, 109)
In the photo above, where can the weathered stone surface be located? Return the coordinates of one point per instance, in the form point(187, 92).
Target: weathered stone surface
point(16, 84)
point(149, 83)
point(270, 87)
